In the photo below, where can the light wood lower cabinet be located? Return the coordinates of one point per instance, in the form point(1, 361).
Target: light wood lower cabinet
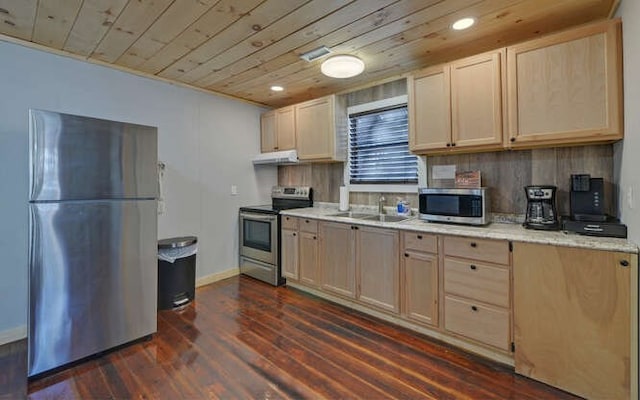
point(378, 270)
point(576, 320)
point(308, 252)
point(290, 248)
point(477, 290)
point(420, 278)
point(337, 259)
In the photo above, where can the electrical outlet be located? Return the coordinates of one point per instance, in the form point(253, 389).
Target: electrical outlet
point(234, 190)
point(630, 197)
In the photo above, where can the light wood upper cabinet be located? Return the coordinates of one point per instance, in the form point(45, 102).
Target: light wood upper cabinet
point(378, 269)
point(566, 88)
point(458, 106)
point(278, 130)
point(477, 101)
point(429, 109)
point(321, 129)
point(576, 323)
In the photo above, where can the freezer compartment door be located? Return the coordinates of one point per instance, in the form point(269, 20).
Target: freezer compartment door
point(93, 278)
point(80, 158)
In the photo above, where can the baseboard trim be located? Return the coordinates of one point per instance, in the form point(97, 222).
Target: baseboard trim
point(218, 276)
point(13, 334)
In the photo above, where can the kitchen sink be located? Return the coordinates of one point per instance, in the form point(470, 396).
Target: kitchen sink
point(386, 218)
point(350, 214)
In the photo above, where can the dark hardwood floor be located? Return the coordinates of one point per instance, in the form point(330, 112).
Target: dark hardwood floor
point(245, 339)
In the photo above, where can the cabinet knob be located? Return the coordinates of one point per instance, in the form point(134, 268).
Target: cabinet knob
point(294, 233)
point(448, 144)
point(473, 244)
point(356, 228)
point(419, 237)
point(473, 267)
point(406, 254)
point(314, 238)
point(306, 221)
point(512, 139)
point(453, 145)
point(275, 147)
point(287, 218)
point(474, 308)
point(624, 263)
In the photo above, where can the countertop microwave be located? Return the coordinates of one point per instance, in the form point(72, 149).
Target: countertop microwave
point(455, 205)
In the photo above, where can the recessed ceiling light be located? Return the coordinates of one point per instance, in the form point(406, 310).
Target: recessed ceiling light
point(342, 66)
point(463, 23)
point(277, 88)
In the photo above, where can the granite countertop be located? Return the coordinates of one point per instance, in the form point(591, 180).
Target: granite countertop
point(504, 231)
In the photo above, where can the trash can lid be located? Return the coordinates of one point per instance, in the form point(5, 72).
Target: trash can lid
point(176, 242)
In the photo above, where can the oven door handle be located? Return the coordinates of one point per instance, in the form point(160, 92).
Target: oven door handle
point(259, 217)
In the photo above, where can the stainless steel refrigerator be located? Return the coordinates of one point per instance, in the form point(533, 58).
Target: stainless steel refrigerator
point(92, 236)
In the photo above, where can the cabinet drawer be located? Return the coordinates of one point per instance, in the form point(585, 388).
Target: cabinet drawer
point(420, 242)
point(482, 323)
point(289, 223)
point(495, 251)
point(308, 225)
point(476, 281)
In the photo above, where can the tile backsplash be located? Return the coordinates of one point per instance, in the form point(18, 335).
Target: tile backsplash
point(505, 172)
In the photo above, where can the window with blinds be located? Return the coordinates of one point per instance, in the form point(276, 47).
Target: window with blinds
point(379, 147)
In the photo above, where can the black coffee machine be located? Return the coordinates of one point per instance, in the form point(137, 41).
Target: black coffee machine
point(587, 198)
point(541, 208)
point(588, 216)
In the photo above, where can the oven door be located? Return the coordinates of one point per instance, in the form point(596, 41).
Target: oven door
point(259, 237)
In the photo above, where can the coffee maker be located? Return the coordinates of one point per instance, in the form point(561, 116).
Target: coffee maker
point(541, 208)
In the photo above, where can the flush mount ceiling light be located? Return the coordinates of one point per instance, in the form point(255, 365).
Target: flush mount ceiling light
point(463, 23)
point(342, 66)
point(277, 88)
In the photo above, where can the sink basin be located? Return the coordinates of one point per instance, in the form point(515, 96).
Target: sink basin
point(386, 218)
point(350, 214)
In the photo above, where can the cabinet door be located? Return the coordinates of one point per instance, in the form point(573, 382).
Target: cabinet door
point(289, 255)
point(337, 259)
point(309, 258)
point(268, 132)
point(315, 128)
point(421, 287)
point(572, 319)
point(378, 267)
point(286, 128)
point(566, 88)
point(430, 109)
point(476, 101)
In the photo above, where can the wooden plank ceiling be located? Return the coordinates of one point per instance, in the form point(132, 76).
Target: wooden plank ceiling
point(242, 47)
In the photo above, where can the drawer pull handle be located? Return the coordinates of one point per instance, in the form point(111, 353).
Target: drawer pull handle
point(624, 263)
point(473, 244)
point(474, 308)
point(473, 267)
point(419, 236)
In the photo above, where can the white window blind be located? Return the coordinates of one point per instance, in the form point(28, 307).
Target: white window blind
point(379, 147)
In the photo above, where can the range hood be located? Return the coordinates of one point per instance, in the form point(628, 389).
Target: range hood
point(277, 157)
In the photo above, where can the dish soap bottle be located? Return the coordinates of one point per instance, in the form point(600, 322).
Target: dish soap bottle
point(403, 207)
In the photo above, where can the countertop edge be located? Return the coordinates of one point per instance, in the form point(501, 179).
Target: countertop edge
point(497, 231)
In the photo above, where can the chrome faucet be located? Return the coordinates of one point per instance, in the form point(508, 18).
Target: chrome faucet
point(381, 201)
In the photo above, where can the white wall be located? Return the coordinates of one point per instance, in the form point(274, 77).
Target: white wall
point(205, 141)
point(627, 165)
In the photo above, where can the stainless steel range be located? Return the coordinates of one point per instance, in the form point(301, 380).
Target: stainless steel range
point(260, 232)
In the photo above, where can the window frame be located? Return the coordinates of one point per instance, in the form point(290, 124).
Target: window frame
point(381, 187)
